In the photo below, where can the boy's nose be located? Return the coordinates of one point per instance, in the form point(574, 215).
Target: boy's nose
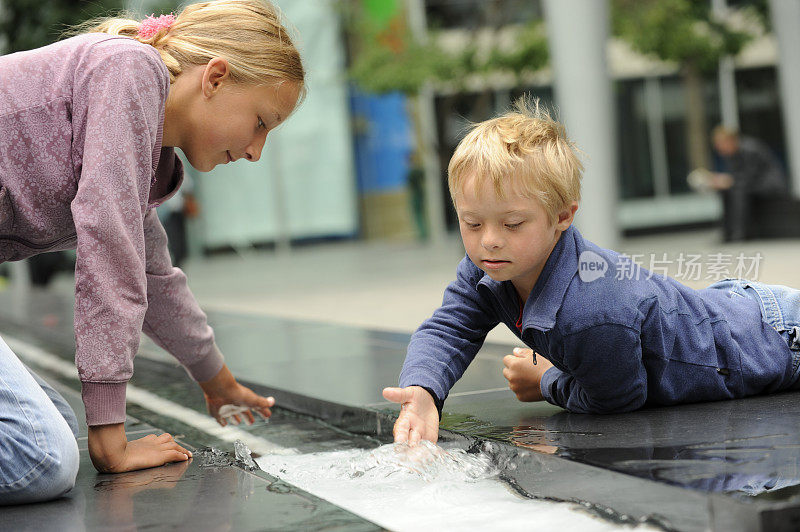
point(491, 240)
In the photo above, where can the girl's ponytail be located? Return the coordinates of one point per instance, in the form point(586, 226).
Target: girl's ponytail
point(248, 33)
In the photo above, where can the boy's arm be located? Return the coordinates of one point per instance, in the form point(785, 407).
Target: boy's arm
point(445, 344)
point(439, 353)
point(605, 372)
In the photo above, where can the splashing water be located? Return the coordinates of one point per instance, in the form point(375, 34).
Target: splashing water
point(242, 453)
point(424, 488)
point(425, 461)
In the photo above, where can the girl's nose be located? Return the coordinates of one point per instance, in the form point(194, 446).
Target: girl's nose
point(253, 151)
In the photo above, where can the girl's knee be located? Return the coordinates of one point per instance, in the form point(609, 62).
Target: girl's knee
point(72, 421)
point(64, 479)
point(51, 475)
point(63, 470)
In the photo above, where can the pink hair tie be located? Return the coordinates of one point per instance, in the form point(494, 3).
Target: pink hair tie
point(150, 26)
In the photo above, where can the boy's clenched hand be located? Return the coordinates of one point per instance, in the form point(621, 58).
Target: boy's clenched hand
point(418, 419)
point(523, 376)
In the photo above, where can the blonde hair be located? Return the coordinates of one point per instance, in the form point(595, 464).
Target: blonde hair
point(524, 148)
point(247, 33)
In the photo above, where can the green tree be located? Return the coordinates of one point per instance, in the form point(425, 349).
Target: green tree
point(379, 68)
point(684, 32)
point(385, 57)
point(528, 53)
point(28, 24)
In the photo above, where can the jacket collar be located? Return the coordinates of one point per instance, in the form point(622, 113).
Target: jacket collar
point(548, 293)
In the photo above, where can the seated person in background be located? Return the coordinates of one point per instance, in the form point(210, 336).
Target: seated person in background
point(599, 342)
point(753, 171)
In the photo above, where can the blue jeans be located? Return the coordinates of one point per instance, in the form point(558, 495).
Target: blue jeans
point(780, 308)
point(38, 452)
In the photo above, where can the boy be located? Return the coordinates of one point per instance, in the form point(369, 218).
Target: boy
point(602, 344)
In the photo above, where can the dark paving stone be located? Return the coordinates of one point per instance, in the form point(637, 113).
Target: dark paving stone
point(186, 496)
point(181, 496)
point(342, 364)
point(729, 465)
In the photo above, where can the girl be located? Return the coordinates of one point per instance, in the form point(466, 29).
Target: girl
point(88, 128)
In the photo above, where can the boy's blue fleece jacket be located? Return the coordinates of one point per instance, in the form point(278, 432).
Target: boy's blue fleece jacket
point(620, 341)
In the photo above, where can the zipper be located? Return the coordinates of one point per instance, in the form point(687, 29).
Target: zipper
point(500, 303)
point(34, 245)
point(518, 322)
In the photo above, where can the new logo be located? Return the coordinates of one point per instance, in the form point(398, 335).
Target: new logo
point(591, 266)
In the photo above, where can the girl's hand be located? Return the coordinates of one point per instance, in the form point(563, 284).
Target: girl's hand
point(111, 452)
point(418, 419)
point(523, 376)
point(224, 390)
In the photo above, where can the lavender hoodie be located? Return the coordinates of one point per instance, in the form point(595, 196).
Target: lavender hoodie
point(81, 166)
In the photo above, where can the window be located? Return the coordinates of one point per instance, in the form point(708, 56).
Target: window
point(633, 146)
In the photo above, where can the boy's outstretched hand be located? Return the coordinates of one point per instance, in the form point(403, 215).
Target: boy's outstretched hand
point(523, 376)
point(418, 419)
point(224, 390)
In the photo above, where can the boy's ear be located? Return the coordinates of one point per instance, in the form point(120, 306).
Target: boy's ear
point(567, 216)
point(216, 72)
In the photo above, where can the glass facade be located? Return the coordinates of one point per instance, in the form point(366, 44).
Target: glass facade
point(651, 127)
point(633, 149)
point(759, 105)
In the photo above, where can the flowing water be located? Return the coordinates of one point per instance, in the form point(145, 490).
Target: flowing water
point(426, 487)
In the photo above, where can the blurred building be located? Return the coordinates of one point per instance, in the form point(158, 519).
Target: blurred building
point(650, 106)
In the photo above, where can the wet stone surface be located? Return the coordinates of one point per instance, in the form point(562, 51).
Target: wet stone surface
point(747, 448)
point(209, 492)
point(730, 465)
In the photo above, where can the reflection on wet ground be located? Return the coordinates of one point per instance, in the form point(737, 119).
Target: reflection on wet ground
point(747, 448)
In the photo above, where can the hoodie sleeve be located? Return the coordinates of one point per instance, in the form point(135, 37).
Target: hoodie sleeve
point(174, 320)
point(119, 96)
point(447, 342)
point(605, 373)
